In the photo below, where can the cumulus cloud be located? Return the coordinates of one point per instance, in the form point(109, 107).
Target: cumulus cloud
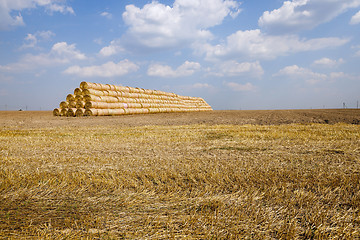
point(31, 40)
point(327, 62)
point(237, 87)
point(53, 7)
point(355, 19)
point(186, 69)
point(115, 47)
point(255, 44)
point(234, 68)
point(109, 69)
point(60, 53)
point(309, 76)
point(10, 10)
point(158, 25)
point(298, 15)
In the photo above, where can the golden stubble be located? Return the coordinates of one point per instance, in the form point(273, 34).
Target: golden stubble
point(184, 182)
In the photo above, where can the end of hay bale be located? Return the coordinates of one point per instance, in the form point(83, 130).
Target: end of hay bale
point(56, 112)
point(80, 112)
point(70, 97)
point(64, 104)
point(71, 112)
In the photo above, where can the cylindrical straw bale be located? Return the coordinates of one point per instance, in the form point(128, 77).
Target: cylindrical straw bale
point(91, 97)
point(116, 112)
point(134, 95)
point(145, 105)
point(132, 110)
point(77, 91)
point(91, 112)
point(80, 104)
point(64, 104)
point(125, 94)
point(148, 91)
point(144, 110)
point(80, 112)
point(72, 104)
point(79, 98)
point(112, 93)
point(70, 97)
point(154, 110)
point(56, 112)
point(88, 85)
point(133, 90)
point(109, 99)
point(63, 111)
point(71, 112)
point(134, 105)
point(122, 89)
point(93, 92)
point(104, 86)
point(112, 87)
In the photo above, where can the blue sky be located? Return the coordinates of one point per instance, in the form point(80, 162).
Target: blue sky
point(250, 54)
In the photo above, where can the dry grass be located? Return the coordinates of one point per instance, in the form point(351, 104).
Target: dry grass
point(182, 182)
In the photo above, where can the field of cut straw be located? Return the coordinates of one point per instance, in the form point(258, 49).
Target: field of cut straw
point(179, 181)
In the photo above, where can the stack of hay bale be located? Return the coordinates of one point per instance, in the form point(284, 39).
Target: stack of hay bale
point(95, 99)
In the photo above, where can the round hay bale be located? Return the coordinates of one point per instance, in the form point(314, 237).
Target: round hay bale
point(70, 97)
point(91, 97)
point(72, 104)
point(122, 89)
point(91, 112)
point(80, 112)
point(77, 91)
point(79, 98)
point(80, 104)
point(71, 112)
point(56, 112)
point(93, 92)
point(63, 111)
point(112, 87)
point(87, 85)
point(154, 110)
point(64, 104)
point(148, 91)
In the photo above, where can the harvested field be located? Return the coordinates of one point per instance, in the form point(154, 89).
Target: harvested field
point(289, 174)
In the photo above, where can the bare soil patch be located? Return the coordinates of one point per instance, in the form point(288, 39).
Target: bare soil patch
point(45, 119)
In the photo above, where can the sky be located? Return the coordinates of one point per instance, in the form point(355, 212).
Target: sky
point(240, 55)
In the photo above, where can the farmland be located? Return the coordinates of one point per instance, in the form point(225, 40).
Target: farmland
point(286, 174)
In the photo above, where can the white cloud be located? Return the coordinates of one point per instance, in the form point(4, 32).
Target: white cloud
point(237, 87)
point(109, 69)
point(327, 62)
point(304, 74)
point(60, 53)
point(297, 15)
point(10, 15)
point(186, 69)
point(355, 19)
point(160, 26)
point(255, 44)
point(31, 40)
point(114, 48)
point(53, 7)
point(234, 68)
point(202, 85)
point(106, 14)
